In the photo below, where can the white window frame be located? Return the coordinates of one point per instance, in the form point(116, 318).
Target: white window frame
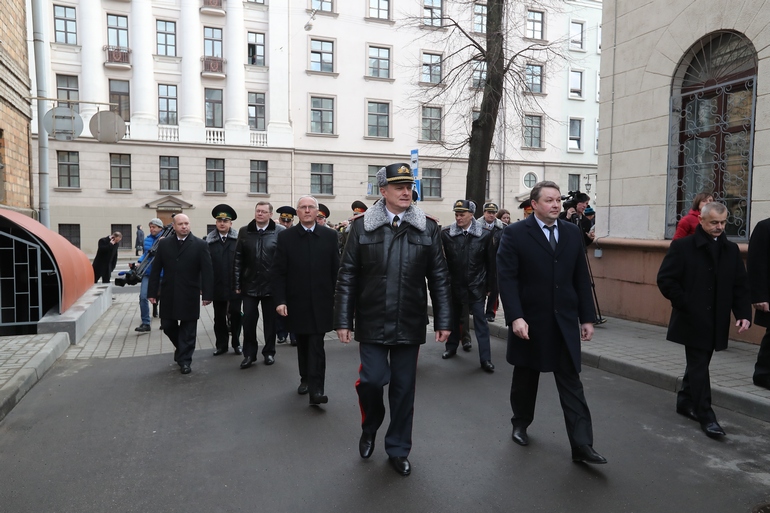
point(524, 144)
point(432, 9)
point(423, 64)
point(480, 16)
point(389, 48)
point(441, 123)
point(582, 46)
point(257, 45)
point(66, 24)
point(598, 84)
point(581, 95)
point(333, 98)
point(596, 142)
point(318, 5)
point(389, 103)
point(378, 7)
point(543, 36)
point(311, 52)
point(599, 38)
point(542, 78)
point(580, 139)
point(524, 179)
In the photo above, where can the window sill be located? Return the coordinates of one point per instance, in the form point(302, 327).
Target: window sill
point(379, 79)
point(575, 151)
point(532, 148)
point(319, 195)
point(534, 40)
point(67, 189)
point(258, 194)
point(322, 73)
point(167, 58)
point(313, 134)
point(120, 191)
point(578, 98)
point(432, 198)
point(169, 193)
point(256, 68)
point(208, 193)
point(331, 14)
point(439, 28)
point(530, 93)
point(379, 20)
point(432, 84)
point(64, 47)
point(426, 141)
point(254, 6)
point(372, 138)
point(579, 50)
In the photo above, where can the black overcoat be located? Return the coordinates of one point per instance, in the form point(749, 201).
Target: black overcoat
point(550, 290)
point(187, 278)
point(759, 269)
point(304, 273)
point(222, 257)
point(703, 292)
point(106, 257)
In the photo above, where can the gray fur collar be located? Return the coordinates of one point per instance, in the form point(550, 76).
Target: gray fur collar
point(474, 229)
point(376, 216)
point(213, 235)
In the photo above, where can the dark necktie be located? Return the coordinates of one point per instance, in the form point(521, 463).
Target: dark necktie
point(465, 233)
point(395, 222)
point(551, 237)
point(224, 239)
point(261, 231)
point(180, 242)
point(309, 230)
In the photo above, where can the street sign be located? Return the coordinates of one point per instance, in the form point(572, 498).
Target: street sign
point(107, 127)
point(415, 162)
point(63, 123)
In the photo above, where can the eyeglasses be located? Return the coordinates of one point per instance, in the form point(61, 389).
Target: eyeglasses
point(262, 212)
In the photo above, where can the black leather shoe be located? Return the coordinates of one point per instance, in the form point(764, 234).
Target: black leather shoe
point(448, 354)
point(687, 412)
point(269, 359)
point(316, 399)
point(247, 362)
point(713, 429)
point(366, 444)
point(466, 346)
point(487, 366)
point(302, 389)
point(281, 340)
point(490, 318)
point(143, 328)
point(220, 351)
point(586, 454)
point(401, 465)
point(762, 381)
point(519, 435)
point(185, 368)
point(237, 350)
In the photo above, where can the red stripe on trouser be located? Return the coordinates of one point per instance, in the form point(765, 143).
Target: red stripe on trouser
point(360, 406)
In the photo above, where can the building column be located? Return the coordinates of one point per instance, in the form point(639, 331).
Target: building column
point(236, 99)
point(92, 37)
point(279, 131)
point(190, 36)
point(144, 92)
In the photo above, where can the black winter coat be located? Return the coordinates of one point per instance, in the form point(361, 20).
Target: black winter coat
point(470, 261)
point(106, 257)
point(187, 277)
point(703, 292)
point(222, 257)
point(253, 259)
point(304, 273)
point(382, 279)
point(759, 269)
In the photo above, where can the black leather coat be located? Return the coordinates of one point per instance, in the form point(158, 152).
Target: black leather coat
point(253, 258)
point(470, 259)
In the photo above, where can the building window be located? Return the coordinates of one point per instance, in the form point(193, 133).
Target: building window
point(479, 77)
point(167, 113)
point(573, 182)
point(322, 5)
point(321, 115)
point(371, 184)
point(533, 131)
point(169, 173)
point(431, 182)
point(71, 232)
point(534, 78)
point(120, 96)
point(69, 168)
point(432, 13)
point(212, 42)
point(598, 85)
point(712, 127)
point(65, 25)
point(577, 35)
point(431, 68)
point(166, 38)
point(128, 235)
point(575, 84)
point(215, 175)
point(480, 18)
point(257, 111)
point(321, 56)
point(378, 119)
point(256, 49)
point(67, 89)
point(379, 9)
point(321, 179)
point(120, 171)
point(530, 180)
point(258, 176)
point(596, 139)
point(213, 108)
point(117, 31)
point(257, 1)
point(379, 62)
point(535, 24)
point(431, 124)
point(575, 134)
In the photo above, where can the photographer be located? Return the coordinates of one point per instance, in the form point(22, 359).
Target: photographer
point(106, 257)
point(574, 212)
point(156, 227)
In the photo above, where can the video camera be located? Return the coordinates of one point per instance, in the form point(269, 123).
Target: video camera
point(135, 274)
point(572, 198)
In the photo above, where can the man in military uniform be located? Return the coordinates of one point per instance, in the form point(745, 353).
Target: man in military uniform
point(286, 219)
point(392, 249)
point(227, 304)
point(494, 225)
point(323, 215)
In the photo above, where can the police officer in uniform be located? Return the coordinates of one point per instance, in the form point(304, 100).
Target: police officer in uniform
point(286, 215)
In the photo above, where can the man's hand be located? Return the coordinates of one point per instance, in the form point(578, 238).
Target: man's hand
point(442, 335)
point(206, 302)
point(281, 310)
point(743, 324)
point(344, 336)
point(586, 331)
point(520, 328)
point(237, 291)
point(152, 300)
point(762, 307)
point(571, 212)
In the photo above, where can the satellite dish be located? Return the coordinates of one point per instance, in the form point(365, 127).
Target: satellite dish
point(107, 127)
point(63, 123)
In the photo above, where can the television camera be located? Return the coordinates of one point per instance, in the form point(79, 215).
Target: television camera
point(135, 272)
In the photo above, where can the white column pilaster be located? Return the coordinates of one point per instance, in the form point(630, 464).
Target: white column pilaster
point(92, 36)
point(279, 131)
point(144, 92)
point(236, 99)
point(190, 35)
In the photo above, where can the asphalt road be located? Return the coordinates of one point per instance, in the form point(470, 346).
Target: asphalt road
point(134, 435)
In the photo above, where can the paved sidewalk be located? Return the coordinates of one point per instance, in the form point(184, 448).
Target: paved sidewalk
point(631, 349)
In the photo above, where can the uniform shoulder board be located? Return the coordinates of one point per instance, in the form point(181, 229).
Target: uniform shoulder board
point(435, 220)
point(357, 216)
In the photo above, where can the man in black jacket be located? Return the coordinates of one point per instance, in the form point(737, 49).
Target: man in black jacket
point(251, 273)
point(185, 263)
point(704, 278)
point(106, 257)
point(227, 304)
point(494, 225)
point(468, 251)
point(390, 252)
point(759, 278)
point(304, 272)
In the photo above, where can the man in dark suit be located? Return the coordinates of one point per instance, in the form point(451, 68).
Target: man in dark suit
point(106, 257)
point(546, 294)
point(305, 295)
point(704, 278)
point(759, 278)
point(185, 263)
point(227, 304)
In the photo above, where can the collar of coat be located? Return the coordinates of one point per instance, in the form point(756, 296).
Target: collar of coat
point(702, 238)
point(271, 226)
point(474, 229)
point(377, 216)
point(214, 236)
point(497, 224)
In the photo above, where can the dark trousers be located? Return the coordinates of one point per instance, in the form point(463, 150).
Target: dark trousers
point(250, 318)
point(102, 273)
point(479, 324)
point(280, 330)
point(696, 384)
point(762, 367)
point(492, 300)
point(376, 372)
point(577, 417)
point(182, 335)
point(225, 311)
point(311, 358)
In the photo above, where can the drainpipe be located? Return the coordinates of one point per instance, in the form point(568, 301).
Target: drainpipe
point(41, 78)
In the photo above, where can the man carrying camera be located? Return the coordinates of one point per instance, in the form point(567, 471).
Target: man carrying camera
point(156, 226)
point(574, 212)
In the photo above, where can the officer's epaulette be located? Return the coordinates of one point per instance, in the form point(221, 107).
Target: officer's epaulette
point(434, 219)
point(360, 214)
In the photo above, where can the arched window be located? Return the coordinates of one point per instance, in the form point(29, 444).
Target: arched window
point(711, 137)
